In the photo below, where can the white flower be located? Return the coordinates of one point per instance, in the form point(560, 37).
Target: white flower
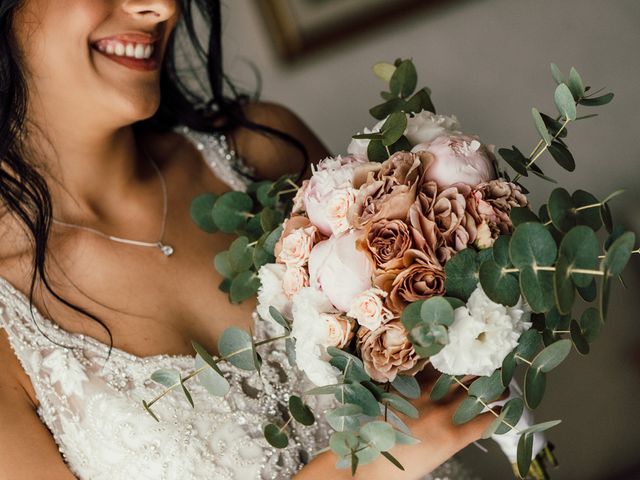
point(311, 332)
point(65, 370)
point(271, 293)
point(297, 246)
point(481, 335)
point(340, 270)
point(426, 126)
point(293, 280)
point(368, 309)
point(359, 146)
point(330, 177)
point(298, 200)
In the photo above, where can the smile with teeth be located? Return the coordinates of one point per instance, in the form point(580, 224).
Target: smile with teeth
point(126, 49)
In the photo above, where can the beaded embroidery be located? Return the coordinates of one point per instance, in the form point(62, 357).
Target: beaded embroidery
point(93, 407)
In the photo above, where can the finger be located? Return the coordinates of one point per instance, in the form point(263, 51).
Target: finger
point(473, 430)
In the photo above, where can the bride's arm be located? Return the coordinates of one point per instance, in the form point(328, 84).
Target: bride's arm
point(439, 439)
point(27, 449)
point(270, 156)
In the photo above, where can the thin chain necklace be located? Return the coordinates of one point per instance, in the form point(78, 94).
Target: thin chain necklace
point(164, 248)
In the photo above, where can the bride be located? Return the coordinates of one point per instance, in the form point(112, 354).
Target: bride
point(104, 278)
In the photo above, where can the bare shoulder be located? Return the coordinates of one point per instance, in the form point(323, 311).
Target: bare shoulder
point(268, 154)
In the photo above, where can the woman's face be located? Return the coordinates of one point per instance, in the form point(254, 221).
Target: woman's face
point(94, 62)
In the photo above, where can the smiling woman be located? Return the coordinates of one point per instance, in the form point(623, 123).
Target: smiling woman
point(103, 145)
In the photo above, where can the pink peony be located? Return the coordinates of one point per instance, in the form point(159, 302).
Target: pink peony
point(340, 270)
point(458, 159)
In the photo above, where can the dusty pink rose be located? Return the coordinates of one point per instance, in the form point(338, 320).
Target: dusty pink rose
point(295, 244)
point(340, 269)
point(293, 280)
point(298, 200)
point(458, 159)
point(387, 190)
point(341, 330)
point(387, 240)
point(422, 278)
point(369, 310)
point(490, 204)
point(439, 220)
point(387, 352)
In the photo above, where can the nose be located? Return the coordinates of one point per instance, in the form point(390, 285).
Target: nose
point(158, 10)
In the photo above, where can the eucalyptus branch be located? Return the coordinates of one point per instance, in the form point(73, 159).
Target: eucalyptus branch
point(543, 268)
point(484, 404)
point(522, 359)
point(198, 371)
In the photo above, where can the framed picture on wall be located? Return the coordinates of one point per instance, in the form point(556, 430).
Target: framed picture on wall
point(301, 26)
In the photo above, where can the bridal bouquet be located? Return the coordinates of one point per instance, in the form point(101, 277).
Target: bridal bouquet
point(414, 248)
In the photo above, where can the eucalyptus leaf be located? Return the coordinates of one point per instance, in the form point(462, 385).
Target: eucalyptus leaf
point(499, 286)
point(537, 289)
point(590, 324)
point(508, 368)
point(400, 404)
point(392, 459)
point(240, 255)
point(261, 257)
point(343, 443)
point(420, 101)
point(579, 341)
point(393, 128)
point(376, 151)
point(358, 395)
point(265, 194)
point(487, 389)
point(552, 356)
point(590, 292)
point(235, 347)
point(618, 254)
point(535, 382)
point(441, 387)
point(384, 71)
point(187, 393)
point(528, 344)
point(575, 84)
point(524, 453)
point(200, 211)
point(231, 210)
point(271, 239)
point(561, 210)
point(555, 73)
point(275, 436)
point(565, 102)
point(213, 381)
point(590, 216)
point(597, 101)
point(243, 286)
point(383, 110)
point(223, 266)
point(437, 311)
point(344, 418)
point(404, 79)
point(167, 377)
point(407, 385)
point(469, 409)
point(532, 244)
point(300, 411)
point(520, 215)
point(515, 159)
point(540, 126)
point(512, 410)
point(379, 434)
point(461, 274)
point(562, 155)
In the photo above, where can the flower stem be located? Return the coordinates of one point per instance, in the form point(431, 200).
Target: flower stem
point(522, 359)
point(540, 151)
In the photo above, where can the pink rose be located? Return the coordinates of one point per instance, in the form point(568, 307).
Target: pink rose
point(340, 330)
point(293, 280)
point(369, 310)
point(340, 270)
point(458, 159)
point(295, 245)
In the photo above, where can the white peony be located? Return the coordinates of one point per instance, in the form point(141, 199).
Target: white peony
point(482, 334)
point(323, 192)
point(311, 331)
point(340, 270)
point(271, 293)
point(359, 146)
point(426, 126)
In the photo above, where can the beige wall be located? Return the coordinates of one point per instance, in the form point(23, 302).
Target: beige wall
point(487, 62)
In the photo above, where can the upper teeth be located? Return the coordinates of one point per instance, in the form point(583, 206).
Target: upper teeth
point(121, 49)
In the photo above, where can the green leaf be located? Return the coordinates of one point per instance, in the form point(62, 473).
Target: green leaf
point(524, 453)
point(265, 194)
point(325, 390)
point(535, 382)
point(487, 389)
point(407, 385)
point(208, 359)
point(352, 368)
point(537, 289)
point(510, 414)
point(618, 254)
point(508, 368)
point(552, 356)
point(580, 248)
point(213, 381)
point(392, 459)
point(240, 255)
point(554, 126)
point(575, 84)
point(300, 411)
point(400, 404)
point(261, 257)
point(269, 243)
point(420, 101)
point(404, 79)
point(441, 387)
point(223, 265)
point(379, 434)
point(231, 211)
point(277, 316)
point(461, 274)
point(187, 393)
point(590, 216)
point(245, 285)
point(235, 346)
point(167, 377)
point(581, 344)
point(605, 292)
point(274, 436)
point(499, 286)
point(563, 288)
point(555, 73)
point(520, 215)
point(561, 210)
point(597, 101)
point(562, 155)
point(469, 409)
point(590, 324)
point(383, 110)
point(532, 244)
point(393, 128)
point(200, 211)
point(411, 315)
point(343, 443)
point(590, 292)
point(376, 151)
point(357, 394)
point(564, 102)
point(541, 427)
point(540, 126)
point(270, 219)
point(515, 159)
point(528, 344)
point(437, 311)
point(512, 411)
point(344, 418)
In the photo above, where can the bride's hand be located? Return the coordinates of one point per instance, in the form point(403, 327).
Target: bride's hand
point(439, 439)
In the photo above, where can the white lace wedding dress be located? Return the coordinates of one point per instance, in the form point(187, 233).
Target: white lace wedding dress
point(93, 406)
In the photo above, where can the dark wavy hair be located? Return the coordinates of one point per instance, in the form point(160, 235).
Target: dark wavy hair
point(24, 191)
